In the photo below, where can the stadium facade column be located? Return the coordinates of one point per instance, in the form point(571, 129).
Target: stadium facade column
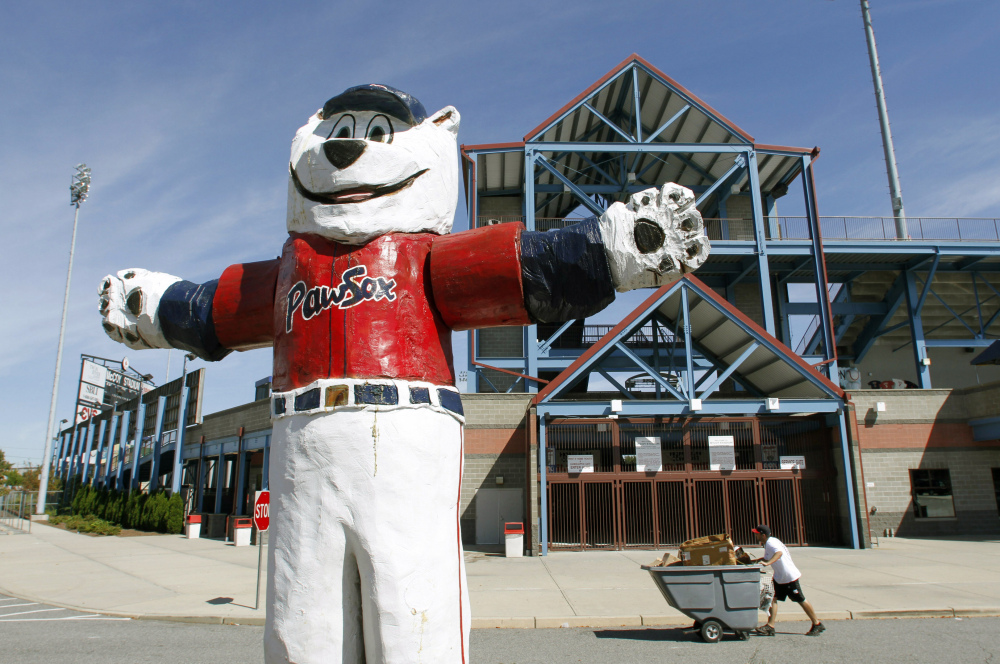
point(140, 425)
point(122, 443)
point(161, 413)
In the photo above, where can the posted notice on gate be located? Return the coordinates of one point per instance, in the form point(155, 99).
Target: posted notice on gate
point(721, 453)
point(793, 463)
point(648, 457)
point(580, 463)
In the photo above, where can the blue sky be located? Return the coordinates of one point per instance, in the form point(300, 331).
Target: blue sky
point(185, 112)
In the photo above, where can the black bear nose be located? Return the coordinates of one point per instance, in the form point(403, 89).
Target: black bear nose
point(343, 152)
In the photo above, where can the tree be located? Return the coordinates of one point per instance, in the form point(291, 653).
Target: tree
point(5, 474)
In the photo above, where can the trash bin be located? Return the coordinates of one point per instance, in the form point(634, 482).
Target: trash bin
point(513, 534)
point(192, 526)
point(241, 531)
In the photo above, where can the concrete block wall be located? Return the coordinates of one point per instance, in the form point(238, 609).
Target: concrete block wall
point(927, 429)
point(888, 489)
point(253, 416)
point(748, 301)
point(500, 206)
point(501, 342)
point(495, 445)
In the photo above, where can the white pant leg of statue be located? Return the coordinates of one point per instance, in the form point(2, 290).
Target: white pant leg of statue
point(365, 557)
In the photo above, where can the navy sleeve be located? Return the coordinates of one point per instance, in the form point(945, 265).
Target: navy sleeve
point(565, 273)
point(186, 319)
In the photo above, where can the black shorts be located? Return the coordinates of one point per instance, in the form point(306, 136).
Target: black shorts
point(790, 591)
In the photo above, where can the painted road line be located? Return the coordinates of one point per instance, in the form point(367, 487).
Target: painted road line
point(21, 613)
point(14, 606)
point(92, 616)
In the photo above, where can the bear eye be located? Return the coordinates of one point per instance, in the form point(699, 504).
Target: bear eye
point(344, 127)
point(379, 129)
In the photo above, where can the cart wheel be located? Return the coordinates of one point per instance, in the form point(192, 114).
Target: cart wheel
point(743, 634)
point(711, 631)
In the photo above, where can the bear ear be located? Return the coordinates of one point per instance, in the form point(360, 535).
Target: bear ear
point(448, 118)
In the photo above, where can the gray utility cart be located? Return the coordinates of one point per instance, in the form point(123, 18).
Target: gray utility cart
point(719, 598)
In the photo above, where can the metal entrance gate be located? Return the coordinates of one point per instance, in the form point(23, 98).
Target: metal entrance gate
point(616, 507)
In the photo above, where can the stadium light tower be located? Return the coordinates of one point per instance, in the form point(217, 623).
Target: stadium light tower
point(883, 117)
point(78, 191)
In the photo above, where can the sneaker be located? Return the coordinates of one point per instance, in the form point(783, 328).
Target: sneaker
point(764, 630)
point(816, 630)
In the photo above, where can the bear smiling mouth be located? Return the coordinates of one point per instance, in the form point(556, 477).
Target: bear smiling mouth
point(353, 195)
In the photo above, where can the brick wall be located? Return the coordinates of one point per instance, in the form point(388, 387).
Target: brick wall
point(495, 446)
point(927, 429)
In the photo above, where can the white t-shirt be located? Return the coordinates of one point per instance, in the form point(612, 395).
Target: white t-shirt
point(785, 570)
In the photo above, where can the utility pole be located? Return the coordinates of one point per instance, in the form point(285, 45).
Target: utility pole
point(78, 191)
point(883, 117)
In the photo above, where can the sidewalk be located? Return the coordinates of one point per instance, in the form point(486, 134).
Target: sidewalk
point(169, 577)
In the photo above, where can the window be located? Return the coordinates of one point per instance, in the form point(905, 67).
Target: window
point(932, 496)
point(996, 486)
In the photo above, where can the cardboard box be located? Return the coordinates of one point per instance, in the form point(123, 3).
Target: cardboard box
point(710, 550)
point(667, 560)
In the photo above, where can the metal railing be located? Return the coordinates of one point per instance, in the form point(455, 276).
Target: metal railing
point(955, 229)
point(16, 509)
point(733, 229)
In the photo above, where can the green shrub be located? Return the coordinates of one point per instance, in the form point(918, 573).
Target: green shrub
point(86, 524)
point(175, 515)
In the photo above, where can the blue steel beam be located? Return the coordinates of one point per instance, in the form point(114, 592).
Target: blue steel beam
point(651, 371)
point(688, 99)
point(107, 430)
point(74, 455)
point(161, 413)
point(140, 424)
point(665, 125)
point(736, 169)
point(866, 339)
point(732, 367)
point(822, 283)
point(839, 308)
point(955, 315)
point(600, 116)
point(122, 443)
point(175, 478)
point(761, 241)
point(848, 475)
point(689, 374)
point(543, 490)
point(655, 148)
point(579, 193)
point(959, 343)
point(917, 331)
point(618, 386)
point(95, 433)
point(647, 408)
point(545, 345)
point(636, 108)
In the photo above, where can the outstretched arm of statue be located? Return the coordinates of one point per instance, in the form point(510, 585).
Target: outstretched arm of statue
point(504, 275)
point(144, 309)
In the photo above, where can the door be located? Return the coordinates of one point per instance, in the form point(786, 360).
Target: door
point(493, 508)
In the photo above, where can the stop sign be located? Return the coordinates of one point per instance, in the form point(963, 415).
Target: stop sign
point(261, 511)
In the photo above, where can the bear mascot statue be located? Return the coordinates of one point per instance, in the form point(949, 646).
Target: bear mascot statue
point(365, 560)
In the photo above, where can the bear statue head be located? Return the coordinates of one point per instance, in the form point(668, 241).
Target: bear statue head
point(372, 162)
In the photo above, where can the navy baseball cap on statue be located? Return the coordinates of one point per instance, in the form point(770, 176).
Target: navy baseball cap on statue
point(379, 99)
point(763, 530)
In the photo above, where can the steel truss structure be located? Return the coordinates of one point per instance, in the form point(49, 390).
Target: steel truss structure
point(637, 128)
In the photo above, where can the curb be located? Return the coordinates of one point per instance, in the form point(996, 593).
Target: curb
point(556, 622)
